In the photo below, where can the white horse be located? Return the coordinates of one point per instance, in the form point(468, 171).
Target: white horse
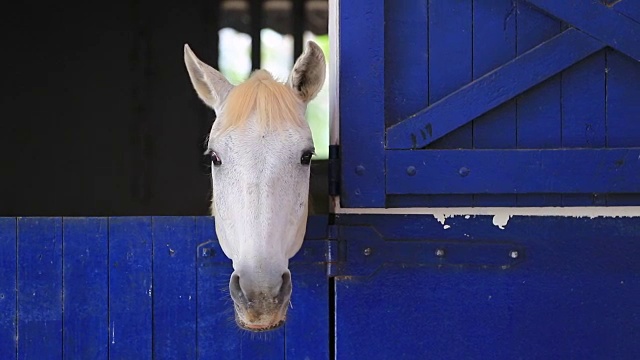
point(260, 147)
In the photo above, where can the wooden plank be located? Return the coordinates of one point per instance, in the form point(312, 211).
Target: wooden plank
point(571, 278)
point(86, 288)
point(406, 58)
point(494, 36)
point(217, 334)
point(514, 171)
point(8, 285)
point(450, 66)
point(623, 109)
point(583, 115)
point(307, 334)
point(39, 288)
point(539, 123)
point(130, 288)
point(491, 90)
point(307, 326)
point(628, 8)
point(174, 288)
point(599, 21)
point(362, 95)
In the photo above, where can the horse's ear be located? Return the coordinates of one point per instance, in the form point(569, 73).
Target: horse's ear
point(212, 87)
point(307, 76)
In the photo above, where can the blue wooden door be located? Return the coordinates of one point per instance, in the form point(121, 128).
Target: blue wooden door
point(489, 103)
point(143, 288)
point(541, 288)
point(498, 103)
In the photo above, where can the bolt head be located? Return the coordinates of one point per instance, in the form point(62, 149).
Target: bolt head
point(514, 254)
point(440, 252)
point(367, 251)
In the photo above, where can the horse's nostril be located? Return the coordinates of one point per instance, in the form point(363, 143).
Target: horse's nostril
point(235, 290)
point(285, 288)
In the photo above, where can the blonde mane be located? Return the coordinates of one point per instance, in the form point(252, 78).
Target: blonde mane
point(275, 103)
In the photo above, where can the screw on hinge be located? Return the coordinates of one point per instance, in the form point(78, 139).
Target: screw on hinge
point(367, 251)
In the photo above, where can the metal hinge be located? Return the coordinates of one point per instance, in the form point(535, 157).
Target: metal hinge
point(334, 170)
point(335, 257)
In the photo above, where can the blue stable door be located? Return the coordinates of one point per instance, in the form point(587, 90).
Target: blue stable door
point(489, 103)
point(473, 103)
point(143, 288)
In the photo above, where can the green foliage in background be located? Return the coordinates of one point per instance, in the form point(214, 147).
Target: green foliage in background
point(276, 57)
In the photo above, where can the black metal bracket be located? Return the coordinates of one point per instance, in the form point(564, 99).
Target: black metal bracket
point(334, 170)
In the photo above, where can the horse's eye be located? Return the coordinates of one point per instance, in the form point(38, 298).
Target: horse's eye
point(215, 159)
point(305, 159)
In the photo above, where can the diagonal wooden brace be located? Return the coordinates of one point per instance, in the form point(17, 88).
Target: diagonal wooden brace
point(492, 90)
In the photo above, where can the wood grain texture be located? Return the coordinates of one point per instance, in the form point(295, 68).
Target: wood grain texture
point(8, 286)
point(362, 95)
point(39, 288)
point(130, 288)
point(599, 21)
point(514, 171)
point(491, 90)
point(494, 30)
point(86, 288)
point(174, 287)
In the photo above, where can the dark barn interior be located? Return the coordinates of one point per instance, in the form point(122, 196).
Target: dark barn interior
point(99, 115)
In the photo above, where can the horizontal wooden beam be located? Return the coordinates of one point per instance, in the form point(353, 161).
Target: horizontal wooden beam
point(513, 171)
point(599, 21)
point(492, 90)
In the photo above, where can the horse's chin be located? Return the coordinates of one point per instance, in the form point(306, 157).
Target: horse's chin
point(258, 328)
point(267, 321)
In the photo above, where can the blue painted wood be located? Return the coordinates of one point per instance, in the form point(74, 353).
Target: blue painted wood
point(174, 287)
point(488, 98)
point(362, 97)
point(86, 288)
point(130, 288)
point(308, 318)
point(513, 171)
point(583, 114)
point(368, 252)
point(628, 8)
point(494, 27)
point(449, 38)
point(570, 279)
point(492, 90)
point(39, 288)
point(450, 62)
point(539, 109)
point(134, 289)
point(8, 285)
point(599, 21)
point(216, 333)
point(622, 109)
point(406, 61)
